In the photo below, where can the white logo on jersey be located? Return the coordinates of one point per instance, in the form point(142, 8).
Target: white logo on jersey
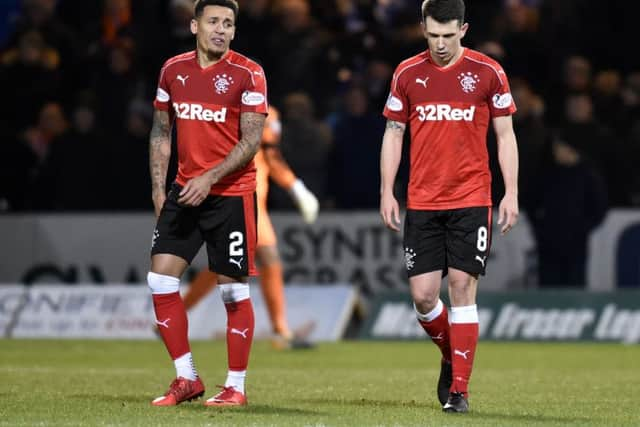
point(162, 95)
point(468, 81)
point(422, 82)
point(252, 98)
point(502, 101)
point(222, 83)
point(393, 103)
point(183, 79)
point(198, 112)
point(438, 112)
point(481, 260)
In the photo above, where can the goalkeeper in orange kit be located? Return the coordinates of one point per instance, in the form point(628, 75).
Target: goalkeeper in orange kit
point(269, 164)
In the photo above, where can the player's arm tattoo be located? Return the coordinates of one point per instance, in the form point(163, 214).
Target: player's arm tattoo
point(159, 150)
point(395, 126)
point(251, 125)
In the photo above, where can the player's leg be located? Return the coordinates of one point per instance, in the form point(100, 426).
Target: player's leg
point(272, 286)
point(433, 317)
point(172, 250)
point(231, 245)
point(424, 240)
point(468, 244)
point(240, 327)
point(270, 271)
point(464, 337)
point(204, 282)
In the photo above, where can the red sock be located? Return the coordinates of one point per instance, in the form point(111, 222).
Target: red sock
point(240, 323)
point(464, 338)
point(171, 319)
point(438, 331)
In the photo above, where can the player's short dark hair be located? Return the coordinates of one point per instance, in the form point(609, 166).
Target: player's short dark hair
point(443, 10)
point(231, 4)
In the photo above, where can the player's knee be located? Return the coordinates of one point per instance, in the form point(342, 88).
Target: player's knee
point(425, 303)
point(426, 297)
point(234, 292)
point(162, 284)
point(427, 312)
point(463, 286)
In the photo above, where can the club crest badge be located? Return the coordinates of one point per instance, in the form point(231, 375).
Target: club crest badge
point(409, 255)
point(468, 81)
point(221, 83)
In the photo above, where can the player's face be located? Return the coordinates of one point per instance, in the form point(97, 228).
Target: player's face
point(214, 30)
point(444, 39)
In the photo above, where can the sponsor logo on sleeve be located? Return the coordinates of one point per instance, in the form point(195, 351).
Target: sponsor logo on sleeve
point(502, 100)
point(393, 103)
point(252, 98)
point(162, 95)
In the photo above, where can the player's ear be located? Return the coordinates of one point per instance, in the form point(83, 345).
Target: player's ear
point(463, 29)
point(194, 26)
point(423, 27)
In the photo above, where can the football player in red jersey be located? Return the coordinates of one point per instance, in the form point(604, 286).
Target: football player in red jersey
point(216, 99)
point(448, 94)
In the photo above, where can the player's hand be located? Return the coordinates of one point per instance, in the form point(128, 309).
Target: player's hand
point(306, 201)
point(508, 213)
point(158, 201)
point(195, 191)
point(390, 211)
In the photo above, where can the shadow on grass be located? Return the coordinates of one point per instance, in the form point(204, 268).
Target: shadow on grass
point(197, 405)
point(372, 402)
point(477, 414)
point(531, 418)
point(270, 410)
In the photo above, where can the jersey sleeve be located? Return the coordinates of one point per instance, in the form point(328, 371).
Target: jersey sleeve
point(163, 95)
point(254, 97)
point(501, 102)
point(397, 105)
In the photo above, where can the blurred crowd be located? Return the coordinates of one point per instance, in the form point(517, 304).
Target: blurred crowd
point(79, 77)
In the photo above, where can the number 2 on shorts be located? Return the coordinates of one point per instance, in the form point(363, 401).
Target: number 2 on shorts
point(235, 246)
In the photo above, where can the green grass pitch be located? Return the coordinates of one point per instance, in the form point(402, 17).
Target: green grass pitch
point(109, 383)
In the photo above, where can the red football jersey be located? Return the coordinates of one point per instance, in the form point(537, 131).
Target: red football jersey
point(448, 112)
point(206, 104)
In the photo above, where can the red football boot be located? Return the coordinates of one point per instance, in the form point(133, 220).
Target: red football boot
point(227, 397)
point(181, 389)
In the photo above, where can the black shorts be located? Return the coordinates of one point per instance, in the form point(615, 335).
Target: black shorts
point(226, 223)
point(457, 238)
